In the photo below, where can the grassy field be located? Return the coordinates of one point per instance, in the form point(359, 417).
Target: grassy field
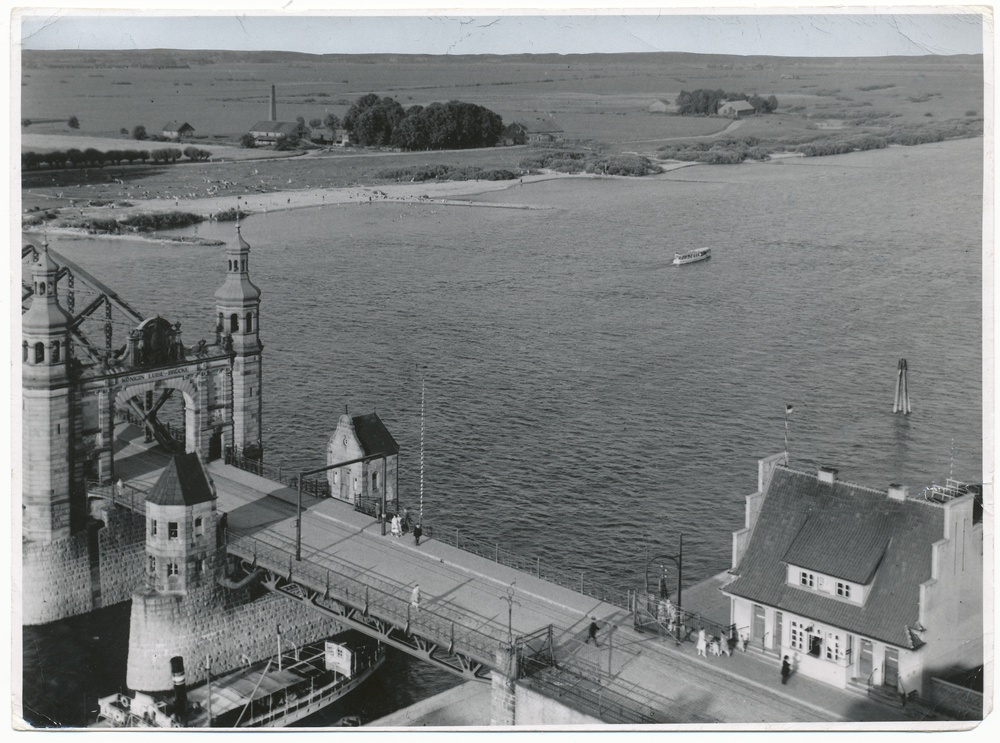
point(599, 102)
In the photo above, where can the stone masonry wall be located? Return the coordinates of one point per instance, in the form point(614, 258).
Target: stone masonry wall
point(55, 579)
point(123, 555)
point(211, 622)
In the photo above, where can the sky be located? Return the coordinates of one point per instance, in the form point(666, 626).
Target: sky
point(781, 32)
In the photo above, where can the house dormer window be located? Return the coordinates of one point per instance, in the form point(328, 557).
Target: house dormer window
point(807, 580)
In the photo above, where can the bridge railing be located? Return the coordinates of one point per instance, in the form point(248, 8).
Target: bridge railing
point(579, 582)
point(386, 600)
point(121, 495)
point(679, 624)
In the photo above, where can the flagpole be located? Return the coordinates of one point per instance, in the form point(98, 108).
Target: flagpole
point(420, 520)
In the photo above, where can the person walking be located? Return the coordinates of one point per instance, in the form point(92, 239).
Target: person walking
point(415, 598)
point(786, 670)
point(417, 531)
point(702, 643)
point(592, 633)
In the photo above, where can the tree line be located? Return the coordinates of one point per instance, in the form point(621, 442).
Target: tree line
point(707, 102)
point(375, 121)
point(91, 157)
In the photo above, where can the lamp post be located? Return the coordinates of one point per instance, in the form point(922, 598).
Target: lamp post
point(678, 561)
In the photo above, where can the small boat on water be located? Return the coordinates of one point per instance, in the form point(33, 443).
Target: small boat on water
point(273, 693)
point(692, 256)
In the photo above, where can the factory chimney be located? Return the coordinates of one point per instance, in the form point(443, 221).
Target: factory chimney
point(274, 107)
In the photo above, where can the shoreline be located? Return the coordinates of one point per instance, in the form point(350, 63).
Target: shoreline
point(448, 193)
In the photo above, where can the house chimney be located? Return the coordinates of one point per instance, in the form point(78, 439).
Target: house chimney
point(827, 475)
point(898, 492)
point(274, 107)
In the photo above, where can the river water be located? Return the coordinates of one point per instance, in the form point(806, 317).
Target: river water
point(584, 398)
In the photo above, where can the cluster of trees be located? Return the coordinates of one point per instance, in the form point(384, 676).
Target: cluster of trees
point(707, 102)
point(421, 173)
point(91, 157)
point(576, 161)
point(721, 152)
point(453, 125)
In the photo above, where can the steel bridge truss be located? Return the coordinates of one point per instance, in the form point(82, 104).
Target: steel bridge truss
point(402, 638)
point(438, 635)
point(106, 297)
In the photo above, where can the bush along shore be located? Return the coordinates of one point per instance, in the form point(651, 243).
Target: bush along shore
point(734, 150)
point(133, 224)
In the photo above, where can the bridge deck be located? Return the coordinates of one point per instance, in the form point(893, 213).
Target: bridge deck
point(637, 666)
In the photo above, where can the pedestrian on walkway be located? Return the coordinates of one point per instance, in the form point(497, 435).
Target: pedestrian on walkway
point(395, 525)
point(415, 598)
point(724, 644)
point(417, 531)
point(702, 643)
point(592, 635)
point(786, 670)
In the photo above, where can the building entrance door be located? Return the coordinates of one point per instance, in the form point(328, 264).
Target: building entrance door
point(890, 676)
point(215, 446)
point(865, 665)
point(777, 630)
point(757, 627)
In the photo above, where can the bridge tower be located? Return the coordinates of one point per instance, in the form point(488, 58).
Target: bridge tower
point(238, 306)
point(181, 541)
point(49, 489)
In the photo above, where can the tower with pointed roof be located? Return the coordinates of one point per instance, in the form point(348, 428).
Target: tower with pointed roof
point(238, 307)
point(180, 527)
point(50, 508)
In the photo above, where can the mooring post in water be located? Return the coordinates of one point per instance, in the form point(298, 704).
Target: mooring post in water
point(902, 400)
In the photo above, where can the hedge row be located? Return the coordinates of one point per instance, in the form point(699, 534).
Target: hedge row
point(91, 157)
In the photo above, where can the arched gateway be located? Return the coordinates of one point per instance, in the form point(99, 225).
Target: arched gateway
point(75, 391)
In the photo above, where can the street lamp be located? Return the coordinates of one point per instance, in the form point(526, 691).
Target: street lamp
point(678, 561)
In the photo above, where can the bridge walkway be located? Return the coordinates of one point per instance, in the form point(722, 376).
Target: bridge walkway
point(669, 682)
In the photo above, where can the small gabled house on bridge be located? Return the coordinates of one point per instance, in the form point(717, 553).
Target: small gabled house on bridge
point(859, 586)
point(376, 477)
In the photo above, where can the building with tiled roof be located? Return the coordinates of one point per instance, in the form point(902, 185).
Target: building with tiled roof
point(363, 437)
point(857, 585)
point(275, 131)
point(735, 109)
point(177, 129)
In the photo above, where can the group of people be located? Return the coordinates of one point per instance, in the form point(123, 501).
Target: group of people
point(399, 525)
point(718, 645)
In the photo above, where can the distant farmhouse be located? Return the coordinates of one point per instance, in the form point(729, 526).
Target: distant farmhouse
point(177, 130)
point(661, 106)
point(735, 109)
point(537, 130)
point(872, 589)
point(273, 131)
point(335, 137)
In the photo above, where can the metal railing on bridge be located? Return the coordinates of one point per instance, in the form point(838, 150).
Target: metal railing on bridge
point(121, 495)
point(386, 600)
point(661, 617)
point(576, 581)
